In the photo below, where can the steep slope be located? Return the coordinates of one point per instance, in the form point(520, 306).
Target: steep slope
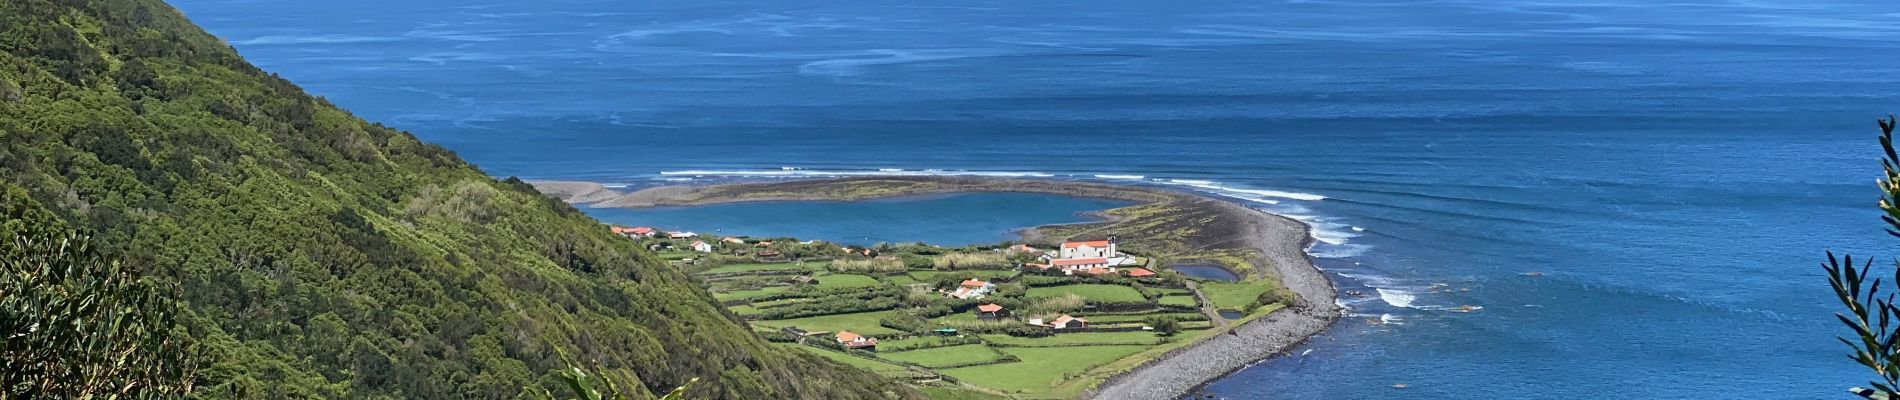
point(324, 256)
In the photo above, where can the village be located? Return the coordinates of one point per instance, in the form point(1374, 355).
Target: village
point(1012, 319)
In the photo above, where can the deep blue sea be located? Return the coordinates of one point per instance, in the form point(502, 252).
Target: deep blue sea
point(1673, 169)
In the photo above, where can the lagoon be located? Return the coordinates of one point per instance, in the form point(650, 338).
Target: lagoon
point(945, 220)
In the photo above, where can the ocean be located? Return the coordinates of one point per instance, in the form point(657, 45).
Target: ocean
point(1632, 197)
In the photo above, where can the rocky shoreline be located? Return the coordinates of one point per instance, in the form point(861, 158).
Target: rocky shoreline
point(1273, 240)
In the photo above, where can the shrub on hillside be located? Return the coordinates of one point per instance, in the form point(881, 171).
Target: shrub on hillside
point(957, 261)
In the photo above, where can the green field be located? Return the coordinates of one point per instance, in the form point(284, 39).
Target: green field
point(1040, 368)
point(845, 280)
point(743, 309)
point(1172, 300)
point(847, 359)
point(945, 393)
point(1093, 292)
point(754, 267)
point(1235, 295)
point(944, 356)
point(862, 323)
point(1084, 338)
point(1107, 318)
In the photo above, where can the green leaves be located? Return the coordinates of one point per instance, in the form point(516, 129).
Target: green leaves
point(1874, 319)
point(74, 323)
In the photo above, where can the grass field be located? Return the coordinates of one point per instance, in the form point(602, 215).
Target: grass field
point(944, 356)
point(1040, 368)
point(863, 323)
point(845, 280)
point(762, 267)
point(743, 309)
point(1085, 338)
point(945, 393)
point(1092, 292)
point(847, 359)
point(1235, 295)
point(1107, 318)
point(1172, 300)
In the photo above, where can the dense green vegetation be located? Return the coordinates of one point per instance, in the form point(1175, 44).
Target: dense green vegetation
point(77, 325)
point(319, 255)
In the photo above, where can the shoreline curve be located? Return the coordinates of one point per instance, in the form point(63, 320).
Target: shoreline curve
point(1277, 241)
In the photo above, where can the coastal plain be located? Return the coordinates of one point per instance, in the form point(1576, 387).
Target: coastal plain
point(1166, 226)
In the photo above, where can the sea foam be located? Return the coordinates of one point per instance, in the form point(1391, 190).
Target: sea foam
point(796, 172)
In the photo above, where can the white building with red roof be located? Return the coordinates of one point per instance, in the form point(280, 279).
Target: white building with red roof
point(1088, 249)
point(1063, 321)
point(991, 311)
point(856, 341)
point(973, 289)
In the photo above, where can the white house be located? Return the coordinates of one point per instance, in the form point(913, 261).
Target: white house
point(1063, 321)
point(973, 289)
point(702, 246)
point(1089, 249)
point(856, 341)
point(681, 235)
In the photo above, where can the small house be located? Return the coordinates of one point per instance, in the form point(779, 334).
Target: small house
point(702, 246)
point(991, 311)
point(1067, 322)
point(732, 240)
point(972, 289)
point(681, 235)
point(1139, 273)
point(856, 341)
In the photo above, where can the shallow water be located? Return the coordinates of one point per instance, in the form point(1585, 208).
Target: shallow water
point(1205, 271)
point(946, 220)
point(1673, 169)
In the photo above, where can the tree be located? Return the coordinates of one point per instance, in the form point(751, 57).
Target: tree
point(1874, 319)
point(1165, 325)
point(597, 386)
point(80, 325)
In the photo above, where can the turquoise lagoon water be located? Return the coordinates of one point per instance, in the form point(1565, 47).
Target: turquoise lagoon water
point(944, 220)
point(1672, 169)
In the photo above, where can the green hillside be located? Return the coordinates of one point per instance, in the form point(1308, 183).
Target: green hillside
point(324, 256)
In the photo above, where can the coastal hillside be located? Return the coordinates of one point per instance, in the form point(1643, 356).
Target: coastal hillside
point(320, 255)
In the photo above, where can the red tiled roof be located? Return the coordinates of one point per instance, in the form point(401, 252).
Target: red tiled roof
point(1140, 272)
point(847, 336)
point(1099, 271)
point(1092, 243)
point(642, 230)
point(973, 282)
point(1070, 262)
point(989, 308)
point(1065, 318)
